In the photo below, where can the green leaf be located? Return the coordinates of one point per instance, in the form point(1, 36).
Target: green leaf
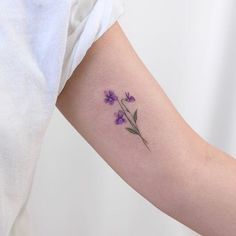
point(131, 130)
point(135, 116)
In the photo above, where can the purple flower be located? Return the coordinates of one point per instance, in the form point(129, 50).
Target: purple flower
point(110, 97)
point(129, 98)
point(119, 117)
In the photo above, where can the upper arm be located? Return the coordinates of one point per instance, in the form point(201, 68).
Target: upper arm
point(172, 174)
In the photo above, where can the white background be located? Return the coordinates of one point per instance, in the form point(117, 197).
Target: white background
point(189, 47)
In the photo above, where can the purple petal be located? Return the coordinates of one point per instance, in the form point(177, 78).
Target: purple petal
point(131, 99)
point(110, 97)
point(120, 113)
point(109, 101)
point(120, 121)
point(112, 94)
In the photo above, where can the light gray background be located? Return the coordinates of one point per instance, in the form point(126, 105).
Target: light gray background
point(189, 47)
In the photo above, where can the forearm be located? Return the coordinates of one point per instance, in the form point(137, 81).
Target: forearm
point(181, 174)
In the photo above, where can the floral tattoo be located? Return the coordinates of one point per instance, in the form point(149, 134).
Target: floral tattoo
point(124, 114)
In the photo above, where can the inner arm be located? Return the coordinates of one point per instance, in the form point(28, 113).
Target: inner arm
point(155, 151)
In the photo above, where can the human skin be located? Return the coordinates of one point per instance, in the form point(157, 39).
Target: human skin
point(182, 174)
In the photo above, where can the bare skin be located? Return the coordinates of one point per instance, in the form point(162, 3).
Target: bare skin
point(182, 174)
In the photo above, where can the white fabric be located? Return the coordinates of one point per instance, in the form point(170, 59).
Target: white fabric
point(42, 42)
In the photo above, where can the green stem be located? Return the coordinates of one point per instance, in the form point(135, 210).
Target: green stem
point(124, 105)
point(133, 119)
point(134, 125)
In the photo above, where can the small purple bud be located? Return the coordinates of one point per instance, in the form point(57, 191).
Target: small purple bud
point(129, 98)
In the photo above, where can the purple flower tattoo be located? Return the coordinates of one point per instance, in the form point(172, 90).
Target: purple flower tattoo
point(124, 114)
point(129, 98)
point(110, 97)
point(119, 117)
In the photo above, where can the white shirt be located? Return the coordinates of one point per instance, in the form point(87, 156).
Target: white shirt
point(42, 42)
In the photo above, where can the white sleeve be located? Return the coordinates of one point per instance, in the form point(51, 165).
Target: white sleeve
point(89, 19)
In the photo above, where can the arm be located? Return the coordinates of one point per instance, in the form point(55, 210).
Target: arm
point(181, 174)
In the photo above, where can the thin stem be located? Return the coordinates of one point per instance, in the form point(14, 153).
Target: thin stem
point(145, 143)
point(125, 105)
point(130, 115)
point(133, 119)
point(132, 124)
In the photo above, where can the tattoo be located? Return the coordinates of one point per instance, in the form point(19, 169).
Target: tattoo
point(124, 114)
